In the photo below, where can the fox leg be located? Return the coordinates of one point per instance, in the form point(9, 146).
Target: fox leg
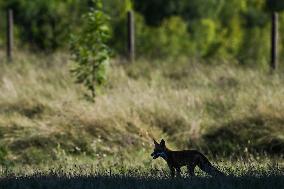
point(190, 169)
point(178, 172)
point(172, 169)
point(205, 166)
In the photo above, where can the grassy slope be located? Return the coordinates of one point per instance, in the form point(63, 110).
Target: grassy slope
point(220, 109)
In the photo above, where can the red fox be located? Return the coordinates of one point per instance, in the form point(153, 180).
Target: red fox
point(189, 158)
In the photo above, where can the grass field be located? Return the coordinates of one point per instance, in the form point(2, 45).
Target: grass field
point(233, 114)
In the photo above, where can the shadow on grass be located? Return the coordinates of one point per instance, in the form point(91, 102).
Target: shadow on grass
point(259, 135)
point(140, 182)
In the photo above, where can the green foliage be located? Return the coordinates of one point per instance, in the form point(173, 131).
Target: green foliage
point(164, 28)
point(121, 8)
point(275, 5)
point(204, 35)
point(155, 11)
point(89, 49)
point(118, 23)
point(44, 24)
point(259, 55)
point(170, 39)
point(226, 29)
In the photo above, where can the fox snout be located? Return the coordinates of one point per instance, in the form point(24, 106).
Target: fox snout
point(154, 155)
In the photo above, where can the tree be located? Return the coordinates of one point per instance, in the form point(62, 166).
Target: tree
point(89, 49)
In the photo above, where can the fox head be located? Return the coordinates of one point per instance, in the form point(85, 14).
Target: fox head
point(160, 150)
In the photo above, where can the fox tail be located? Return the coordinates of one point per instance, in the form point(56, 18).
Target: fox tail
point(207, 167)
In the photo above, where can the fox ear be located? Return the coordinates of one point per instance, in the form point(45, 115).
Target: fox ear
point(155, 142)
point(163, 143)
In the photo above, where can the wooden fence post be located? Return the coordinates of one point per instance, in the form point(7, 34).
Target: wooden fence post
point(131, 36)
point(274, 41)
point(10, 36)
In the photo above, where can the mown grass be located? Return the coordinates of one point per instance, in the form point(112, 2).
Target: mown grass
point(226, 111)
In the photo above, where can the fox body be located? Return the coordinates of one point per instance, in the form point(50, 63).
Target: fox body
point(189, 158)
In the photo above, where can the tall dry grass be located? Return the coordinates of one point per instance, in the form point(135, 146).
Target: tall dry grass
point(221, 109)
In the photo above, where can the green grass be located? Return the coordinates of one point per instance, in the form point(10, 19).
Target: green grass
point(230, 113)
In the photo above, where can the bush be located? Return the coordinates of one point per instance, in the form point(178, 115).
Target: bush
point(170, 39)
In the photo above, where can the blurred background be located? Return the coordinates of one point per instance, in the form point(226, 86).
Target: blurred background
point(200, 80)
point(235, 29)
